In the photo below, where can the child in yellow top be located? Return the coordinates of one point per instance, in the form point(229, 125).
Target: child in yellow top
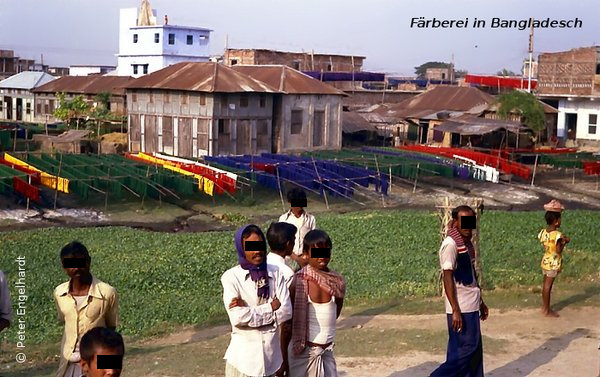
point(554, 242)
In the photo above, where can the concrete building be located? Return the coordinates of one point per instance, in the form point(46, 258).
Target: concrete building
point(87, 86)
point(145, 46)
point(572, 79)
point(307, 113)
point(58, 71)
point(301, 61)
point(86, 70)
point(16, 99)
point(196, 109)
point(446, 73)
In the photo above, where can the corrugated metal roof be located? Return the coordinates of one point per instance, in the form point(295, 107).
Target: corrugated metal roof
point(443, 98)
point(26, 80)
point(547, 108)
point(94, 84)
point(355, 122)
point(470, 125)
point(201, 77)
point(287, 80)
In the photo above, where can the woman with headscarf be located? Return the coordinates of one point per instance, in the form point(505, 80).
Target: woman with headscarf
point(257, 302)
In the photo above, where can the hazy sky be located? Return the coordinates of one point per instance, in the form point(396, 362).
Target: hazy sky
point(86, 31)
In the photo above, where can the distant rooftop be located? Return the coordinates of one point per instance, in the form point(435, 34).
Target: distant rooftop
point(26, 80)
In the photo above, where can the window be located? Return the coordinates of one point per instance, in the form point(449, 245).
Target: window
point(184, 98)
point(329, 68)
point(156, 38)
point(203, 39)
point(202, 99)
point(318, 128)
point(263, 100)
point(135, 38)
point(38, 107)
point(27, 108)
point(167, 97)
point(593, 121)
point(133, 96)
point(234, 61)
point(296, 66)
point(244, 100)
point(262, 127)
point(1, 104)
point(51, 104)
point(46, 107)
point(151, 97)
point(190, 39)
point(135, 69)
point(443, 76)
point(223, 127)
point(145, 68)
point(171, 38)
point(296, 125)
point(598, 69)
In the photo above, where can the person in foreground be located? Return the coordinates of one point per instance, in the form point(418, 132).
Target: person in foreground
point(83, 303)
point(257, 302)
point(464, 306)
point(102, 350)
point(317, 294)
point(554, 243)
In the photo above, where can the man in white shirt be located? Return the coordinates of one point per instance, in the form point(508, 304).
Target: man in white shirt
point(281, 237)
point(257, 302)
point(302, 220)
point(464, 306)
point(5, 305)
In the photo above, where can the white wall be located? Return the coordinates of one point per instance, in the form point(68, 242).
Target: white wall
point(583, 108)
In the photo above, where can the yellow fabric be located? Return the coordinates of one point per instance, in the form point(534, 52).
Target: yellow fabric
point(101, 310)
point(552, 259)
point(208, 186)
point(48, 180)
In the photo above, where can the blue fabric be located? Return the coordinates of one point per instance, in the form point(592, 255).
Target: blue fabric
point(464, 357)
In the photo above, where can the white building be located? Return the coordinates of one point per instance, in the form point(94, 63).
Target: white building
point(146, 47)
point(16, 98)
point(86, 70)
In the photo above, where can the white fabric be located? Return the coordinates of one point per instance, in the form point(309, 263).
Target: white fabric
point(321, 321)
point(313, 362)
point(279, 262)
point(5, 305)
point(303, 224)
point(254, 348)
point(469, 297)
point(73, 370)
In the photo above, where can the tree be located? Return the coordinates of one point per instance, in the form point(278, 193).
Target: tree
point(421, 70)
point(527, 106)
point(71, 110)
point(506, 72)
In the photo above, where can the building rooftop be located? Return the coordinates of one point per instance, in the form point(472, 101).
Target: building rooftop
point(94, 84)
point(26, 80)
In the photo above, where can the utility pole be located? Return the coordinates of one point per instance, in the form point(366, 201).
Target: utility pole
point(530, 70)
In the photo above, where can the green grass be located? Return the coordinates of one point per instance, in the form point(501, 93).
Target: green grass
point(168, 280)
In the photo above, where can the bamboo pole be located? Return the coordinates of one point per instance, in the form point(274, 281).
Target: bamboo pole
point(279, 186)
point(380, 180)
point(391, 179)
point(416, 178)
point(321, 182)
point(56, 181)
point(534, 169)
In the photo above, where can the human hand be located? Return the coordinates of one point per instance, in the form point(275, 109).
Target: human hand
point(275, 304)
point(457, 321)
point(283, 371)
point(483, 311)
point(236, 301)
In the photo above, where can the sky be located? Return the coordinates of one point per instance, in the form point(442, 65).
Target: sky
point(86, 31)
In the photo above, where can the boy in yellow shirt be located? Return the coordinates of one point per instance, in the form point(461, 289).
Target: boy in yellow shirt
point(553, 242)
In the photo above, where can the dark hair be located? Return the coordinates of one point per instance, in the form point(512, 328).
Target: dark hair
point(551, 217)
point(279, 234)
point(316, 237)
point(460, 209)
point(99, 337)
point(295, 193)
point(74, 248)
point(252, 229)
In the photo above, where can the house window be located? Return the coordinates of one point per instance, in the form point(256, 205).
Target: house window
point(202, 99)
point(203, 39)
point(318, 128)
point(133, 97)
point(167, 97)
point(156, 38)
point(27, 108)
point(296, 125)
point(171, 38)
point(329, 68)
point(135, 38)
point(263, 100)
point(38, 107)
point(234, 61)
point(151, 97)
point(135, 69)
point(443, 76)
point(262, 127)
point(296, 66)
point(223, 127)
point(593, 121)
point(184, 98)
point(190, 39)
point(244, 100)
point(598, 69)
point(51, 104)
point(46, 107)
point(145, 68)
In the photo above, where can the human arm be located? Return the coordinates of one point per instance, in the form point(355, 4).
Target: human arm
point(241, 314)
point(284, 312)
point(5, 304)
point(298, 259)
point(112, 314)
point(450, 290)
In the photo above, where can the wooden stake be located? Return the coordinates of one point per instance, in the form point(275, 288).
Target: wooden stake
point(416, 178)
point(321, 182)
point(279, 185)
point(57, 177)
point(252, 175)
point(534, 169)
point(29, 181)
point(380, 180)
point(390, 179)
point(573, 181)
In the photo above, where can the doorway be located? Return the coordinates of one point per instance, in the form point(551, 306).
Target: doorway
point(571, 125)
point(19, 108)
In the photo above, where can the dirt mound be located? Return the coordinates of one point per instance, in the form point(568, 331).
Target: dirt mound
point(115, 137)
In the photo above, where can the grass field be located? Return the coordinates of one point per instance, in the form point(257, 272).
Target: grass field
point(167, 280)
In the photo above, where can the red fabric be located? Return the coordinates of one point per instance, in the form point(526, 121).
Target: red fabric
point(502, 164)
point(36, 178)
point(26, 189)
point(591, 167)
point(505, 152)
point(501, 81)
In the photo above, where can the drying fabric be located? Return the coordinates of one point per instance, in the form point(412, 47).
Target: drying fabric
point(208, 186)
